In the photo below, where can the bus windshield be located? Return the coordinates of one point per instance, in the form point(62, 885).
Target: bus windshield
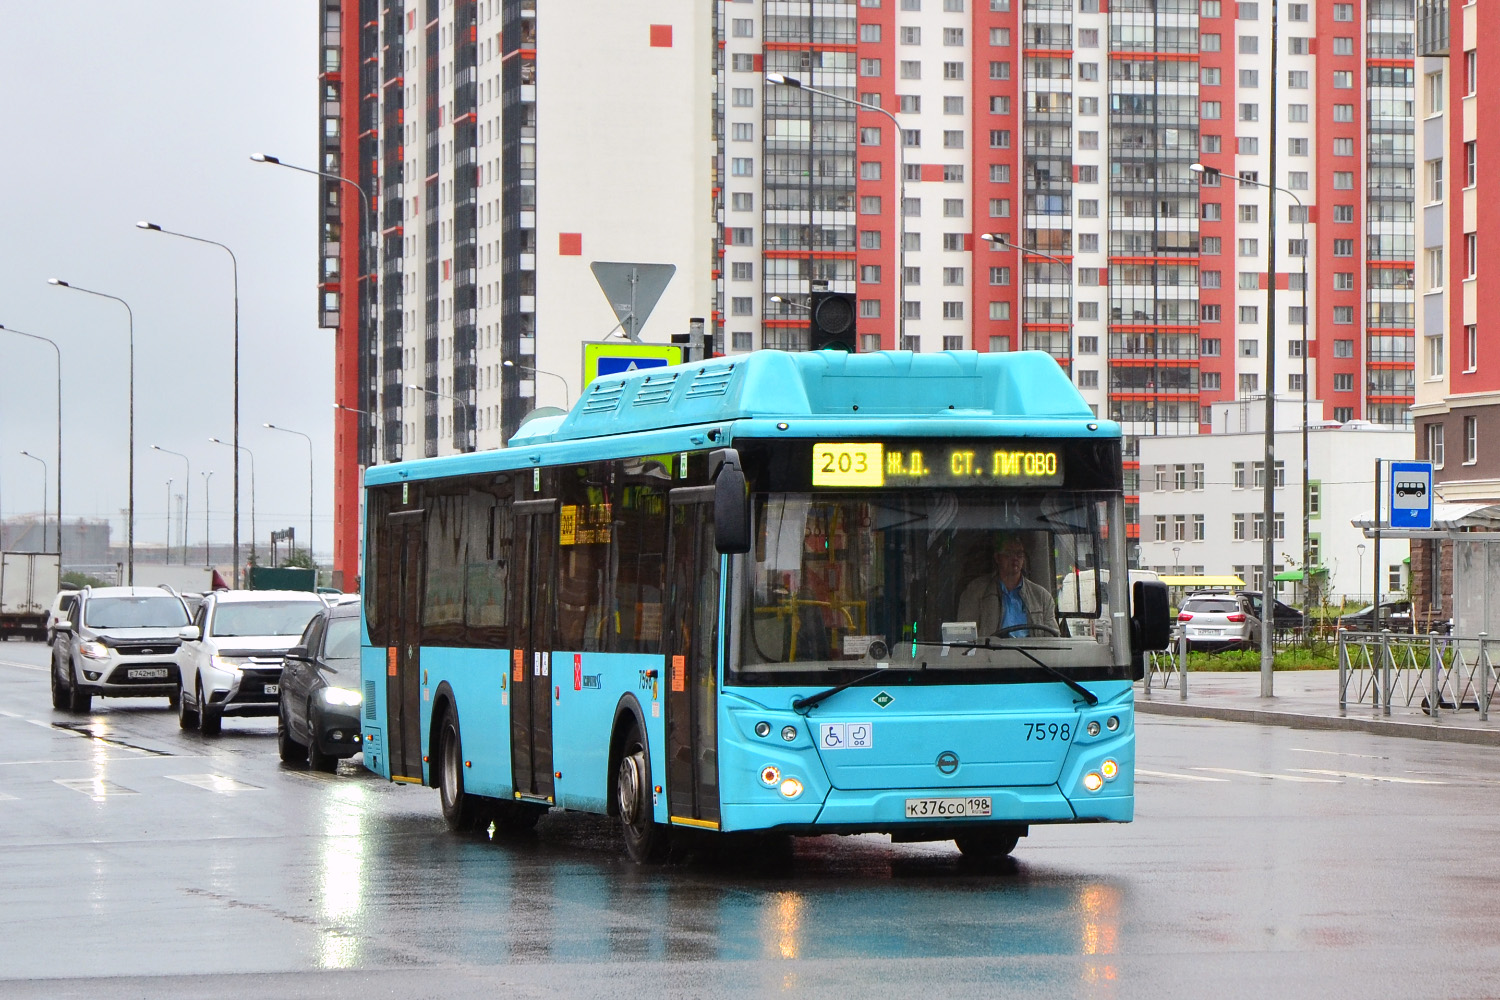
point(956, 583)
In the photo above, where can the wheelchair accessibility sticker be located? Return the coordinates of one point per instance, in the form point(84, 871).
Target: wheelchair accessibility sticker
point(846, 735)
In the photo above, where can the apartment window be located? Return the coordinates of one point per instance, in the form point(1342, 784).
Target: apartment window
point(1210, 110)
point(909, 104)
point(1247, 12)
point(743, 97)
point(1000, 37)
point(742, 166)
point(1000, 71)
point(1179, 477)
point(1210, 8)
point(1296, 112)
point(953, 6)
point(1249, 45)
point(911, 276)
point(1088, 311)
point(1239, 475)
point(869, 170)
point(1278, 528)
point(742, 306)
point(1209, 76)
point(1088, 345)
point(742, 270)
point(1343, 348)
point(911, 35)
point(742, 340)
point(742, 132)
point(953, 36)
point(1000, 173)
point(1343, 213)
point(1249, 383)
point(1343, 281)
point(1249, 314)
point(1210, 381)
point(1343, 414)
point(1471, 163)
point(953, 276)
point(1435, 93)
point(999, 276)
point(1471, 252)
point(1343, 248)
point(1210, 279)
point(1471, 346)
point(1199, 530)
point(954, 241)
point(911, 310)
point(911, 138)
point(1249, 78)
point(1294, 382)
point(953, 310)
point(1296, 12)
point(953, 138)
point(911, 69)
point(1435, 445)
point(1209, 347)
point(1249, 247)
point(912, 343)
point(869, 239)
point(1212, 246)
point(1000, 138)
point(1343, 315)
point(1088, 378)
point(1471, 70)
point(1297, 180)
point(1000, 310)
point(1088, 242)
point(1343, 12)
point(1471, 440)
point(953, 208)
point(744, 27)
point(869, 274)
point(1249, 348)
point(869, 204)
point(1088, 71)
point(1296, 248)
point(1088, 208)
point(1343, 180)
point(999, 344)
point(953, 71)
point(1161, 527)
point(869, 67)
point(1211, 211)
point(869, 308)
point(1179, 527)
point(1239, 527)
point(742, 62)
point(740, 236)
point(1088, 277)
point(953, 106)
point(1248, 145)
point(1088, 140)
point(1297, 46)
point(869, 32)
point(999, 105)
point(1210, 314)
point(1297, 79)
point(1434, 355)
point(1343, 79)
point(1249, 112)
point(1088, 38)
point(1343, 382)
point(1296, 147)
point(1343, 147)
point(742, 201)
point(869, 136)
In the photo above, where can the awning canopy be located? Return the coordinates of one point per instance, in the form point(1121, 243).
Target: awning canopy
point(1446, 517)
point(1295, 575)
point(1203, 581)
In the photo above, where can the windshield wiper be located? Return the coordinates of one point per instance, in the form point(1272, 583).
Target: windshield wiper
point(798, 704)
point(1088, 695)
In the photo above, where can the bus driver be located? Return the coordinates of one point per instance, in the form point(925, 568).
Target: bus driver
point(1007, 598)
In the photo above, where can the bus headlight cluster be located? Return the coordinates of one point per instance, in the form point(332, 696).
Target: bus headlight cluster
point(1110, 770)
point(1112, 723)
point(791, 788)
point(789, 733)
point(1093, 728)
point(763, 729)
point(769, 775)
point(1092, 781)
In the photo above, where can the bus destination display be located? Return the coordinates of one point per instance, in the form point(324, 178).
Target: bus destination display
point(935, 463)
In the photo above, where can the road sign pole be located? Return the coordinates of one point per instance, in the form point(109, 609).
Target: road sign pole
point(1375, 619)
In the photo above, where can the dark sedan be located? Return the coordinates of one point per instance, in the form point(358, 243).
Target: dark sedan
point(319, 717)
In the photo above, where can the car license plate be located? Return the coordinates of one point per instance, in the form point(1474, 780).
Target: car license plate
point(145, 673)
point(273, 689)
point(974, 806)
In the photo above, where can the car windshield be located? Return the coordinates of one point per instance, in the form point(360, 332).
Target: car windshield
point(135, 612)
point(342, 642)
point(244, 618)
point(934, 581)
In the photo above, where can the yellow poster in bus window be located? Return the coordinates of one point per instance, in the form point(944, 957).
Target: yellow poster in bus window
point(848, 463)
point(567, 525)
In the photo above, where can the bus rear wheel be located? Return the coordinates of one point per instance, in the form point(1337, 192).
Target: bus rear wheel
point(645, 839)
point(460, 809)
point(988, 845)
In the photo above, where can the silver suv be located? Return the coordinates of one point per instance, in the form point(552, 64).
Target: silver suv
point(1218, 621)
point(233, 666)
point(117, 642)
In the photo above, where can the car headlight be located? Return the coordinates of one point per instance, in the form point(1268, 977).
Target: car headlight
point(94, 650)
point(342, 696)
point(224, 662)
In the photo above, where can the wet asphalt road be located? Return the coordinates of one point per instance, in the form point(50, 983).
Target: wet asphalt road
point(142, 861)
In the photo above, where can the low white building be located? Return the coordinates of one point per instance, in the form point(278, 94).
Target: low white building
point(1201, 499)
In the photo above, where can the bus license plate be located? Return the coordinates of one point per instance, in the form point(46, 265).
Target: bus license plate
point(975, 806)
point(273, 689)
point(146, 673)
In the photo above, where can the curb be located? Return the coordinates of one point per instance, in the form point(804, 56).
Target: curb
point(1343, 723)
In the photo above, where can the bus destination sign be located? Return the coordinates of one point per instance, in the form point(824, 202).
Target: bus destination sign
point(935, 463)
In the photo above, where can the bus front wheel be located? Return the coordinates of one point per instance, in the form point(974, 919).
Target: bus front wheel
point(645, 839)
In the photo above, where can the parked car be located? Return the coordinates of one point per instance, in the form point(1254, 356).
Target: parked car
point(54, 612)
point(319, 718)
point(1394, 615)
point(1218, 621)
point(234, 665)
point(1286, 616)
point(117, 642)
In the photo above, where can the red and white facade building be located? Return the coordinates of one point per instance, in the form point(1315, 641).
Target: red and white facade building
point(648, 132)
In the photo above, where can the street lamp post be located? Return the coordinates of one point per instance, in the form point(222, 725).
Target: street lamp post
point(1361, 578)
point(1199, 168)
point(781, 79)
point(208, 561)
point(234, 265)
point(168, 559)
point(44, 495)
point(187, 494)
point(239, 448)
point(468, 415)
point(370, 316)
point(374, 424)
point(288, 430)
point(130, 526)
point(1000, 239)
point(566, 397)
point(58, 352)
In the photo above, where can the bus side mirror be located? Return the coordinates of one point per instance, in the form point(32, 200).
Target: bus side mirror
point(1151, 622)
point(731, 505)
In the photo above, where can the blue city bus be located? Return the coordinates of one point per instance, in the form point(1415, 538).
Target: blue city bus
point(816, 593)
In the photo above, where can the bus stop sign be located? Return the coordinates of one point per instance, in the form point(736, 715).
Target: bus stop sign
point(1411, 495)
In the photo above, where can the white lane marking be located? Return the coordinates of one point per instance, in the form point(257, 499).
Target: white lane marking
point(1370, 777)
point(4, 797)
point(1265, 774)
point(1341, 753)
point(22, 666)
point(214, 783)
point(98, 760)
point(95, 788)
point(1179, 777)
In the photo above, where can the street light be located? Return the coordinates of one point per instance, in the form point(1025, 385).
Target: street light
point(374, 424)
point(239, 448)
point(287, 430)
point(782, 80)
point(187, 494)
point(208, 562)
point(130, 527)
point(1001, 240)
point(370, 326)
point(44, 495)
point(566, 405)
point(234, 265)
point(1361, 578)
point(58, 352)
point(468, 416)
point(782, 301)
point(1176, 559)
point(1200, 169)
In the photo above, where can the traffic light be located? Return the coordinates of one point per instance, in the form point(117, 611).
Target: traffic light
point(833, 321)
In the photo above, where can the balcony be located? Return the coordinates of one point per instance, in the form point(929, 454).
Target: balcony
point(1432, 28)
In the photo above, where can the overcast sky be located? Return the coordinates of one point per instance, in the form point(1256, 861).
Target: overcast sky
point(119, 110)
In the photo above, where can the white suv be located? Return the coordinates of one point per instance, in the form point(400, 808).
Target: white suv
point(117, 642)
point(234, 666)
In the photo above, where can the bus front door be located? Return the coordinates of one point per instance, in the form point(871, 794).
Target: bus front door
point(692, 645)
point(403, 695)
point(534, 613)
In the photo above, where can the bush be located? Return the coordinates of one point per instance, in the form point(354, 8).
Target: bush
point(1319, 657)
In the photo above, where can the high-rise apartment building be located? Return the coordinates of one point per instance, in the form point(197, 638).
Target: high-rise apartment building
point(1457, 411)
point(1066, 129)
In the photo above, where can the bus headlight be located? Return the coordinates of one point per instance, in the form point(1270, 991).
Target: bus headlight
point(769, 775)
point(762, 729)
point(1110, 770)
point(789, 733)
point(1113, 722)
point(342, 696)
point(1094, 728)
point(791, 788)
point(1092, 781)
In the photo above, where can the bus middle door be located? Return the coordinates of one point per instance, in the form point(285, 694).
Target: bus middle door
point(692, 645)
point(534, 612)
point(407, 560)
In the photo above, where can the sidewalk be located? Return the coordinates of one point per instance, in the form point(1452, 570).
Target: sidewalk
point(1309, 699)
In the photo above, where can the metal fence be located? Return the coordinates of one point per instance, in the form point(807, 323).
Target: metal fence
point(1167, 665)
point(1434, 672)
